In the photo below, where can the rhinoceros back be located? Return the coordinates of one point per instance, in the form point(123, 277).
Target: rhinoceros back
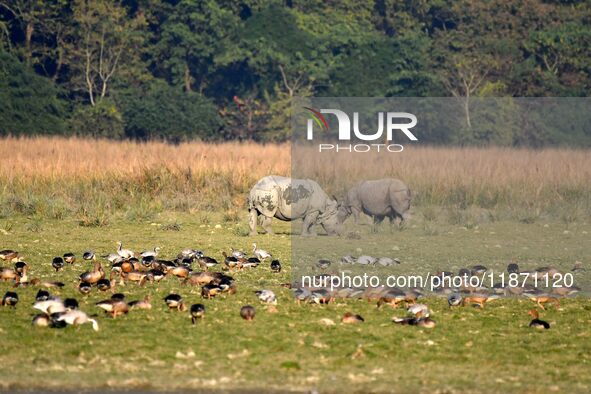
point(286, 198)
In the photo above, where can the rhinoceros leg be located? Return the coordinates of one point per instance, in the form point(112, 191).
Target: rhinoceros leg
point(309, 221)
point(252, 221)
point(266, 223)
point(376, 221)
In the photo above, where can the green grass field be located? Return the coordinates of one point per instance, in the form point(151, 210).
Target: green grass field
point(470, 350)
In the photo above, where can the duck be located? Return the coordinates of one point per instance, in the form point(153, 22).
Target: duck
point(425, 322)
point(210, 290)
point(151, 253)
point(93, 276)
point(20, 267)
point(266, 296)
point(113, 307)
point(41, 320)
point(57, 263)
point(113, 258)
point(10, 299)
point(323, 264)
point(578, 267)
point(7, 274)
point(187, 253)
point(197, 312)
point(366, 260)
point(478, 299)
point(141, 304)
point(118, 297)
point(419, 310)
point(232, 262)
point(179, 272)
point(76, 317)
point(207, 262)
point(454, 299)
point(155, 275)
point(69, 258)
point(124, 253)
point(565, 290)
point(351, 318)
point(50, 306)
point(71, 304)
point(88, 255)
point(542, 299)
point(135, 276)
point(84, 288)
point(260, 253)
point(391, 297)
point(8, 255)
point(239, 254)
point(513, 268)
point(47, 284)
point(42, 295)
point(536, 322)
point(301, 294)
point(275, 266)
point(321, 296)
point(105, 284)
point(247, 312)
point(478, 269)
point(175, 301)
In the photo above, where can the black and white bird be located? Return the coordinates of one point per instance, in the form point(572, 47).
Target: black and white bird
point(197, 312)
point(260, 253)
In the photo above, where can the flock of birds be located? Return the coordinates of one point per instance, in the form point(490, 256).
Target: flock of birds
point(127, 266)
point(146, 267)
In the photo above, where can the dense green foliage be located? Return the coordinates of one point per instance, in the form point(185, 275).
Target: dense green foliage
point(227, 69)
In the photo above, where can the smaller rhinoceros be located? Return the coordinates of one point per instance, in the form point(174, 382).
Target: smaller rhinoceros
point(289, 199)
point(379, 199)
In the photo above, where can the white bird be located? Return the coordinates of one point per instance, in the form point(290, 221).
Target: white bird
point(187, 253)
point(125, 253)
point(114, 258)
point(151, 253)
point(260, 253)
point(419, 310)
point(50, 306)
point(77, 317)
point(266, 296)
point(239, 254)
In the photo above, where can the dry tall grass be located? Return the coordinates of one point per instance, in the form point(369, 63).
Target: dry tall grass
point(57, 177)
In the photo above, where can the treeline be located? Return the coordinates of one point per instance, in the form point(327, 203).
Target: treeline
point(228, 69)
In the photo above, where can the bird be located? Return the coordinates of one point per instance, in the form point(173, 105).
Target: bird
point(104, 284)
point(42, 295)
point(578, 267)
point(57, 263)
point(426, 322)
point(50, 306)
point(239, 254)
point(88, 255)
point(478, 269)
point(513, 268)
point(125, 253)
point(260, 253)
point(232, 261)
point(366, 260)
point(323, 264)
point(118, 296)
point(41, 320)
point(321, 296)
point(197, 312)
point(210, 290)
point(114, 307)
point(7, 274)
point(20, 267)
point(69, 258)
point(536, 322)
point(175, 301)
point(275, 266)
point(93, 276)
point(542, 299)
point(142, 304)
point(351, 318)
point(151, 253)
point(301, 294)
point(247, 312)
point(454, 299)
point(419, 310)
point(206, 262)
point(76, 317)
point(10, 299)
point(266, 296)
point(70, 304)
point(84, 288)
point(478, 299)
point(8, 254)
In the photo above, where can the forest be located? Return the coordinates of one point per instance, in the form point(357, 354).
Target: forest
point(179, 70)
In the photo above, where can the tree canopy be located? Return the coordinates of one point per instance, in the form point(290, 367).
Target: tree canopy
point(228, 69)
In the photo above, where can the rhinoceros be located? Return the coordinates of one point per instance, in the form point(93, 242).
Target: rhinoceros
point(379, 199)
point(289, 199)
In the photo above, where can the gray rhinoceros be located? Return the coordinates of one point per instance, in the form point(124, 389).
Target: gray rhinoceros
point(379, 199)
point(289, 199)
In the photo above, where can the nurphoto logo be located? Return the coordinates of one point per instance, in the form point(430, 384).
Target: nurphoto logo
point(345, 131)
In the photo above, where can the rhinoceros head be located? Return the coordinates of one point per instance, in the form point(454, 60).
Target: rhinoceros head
point(329, 219)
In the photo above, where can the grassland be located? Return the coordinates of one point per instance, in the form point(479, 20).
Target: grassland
point(471, 350)
point(73, 195)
